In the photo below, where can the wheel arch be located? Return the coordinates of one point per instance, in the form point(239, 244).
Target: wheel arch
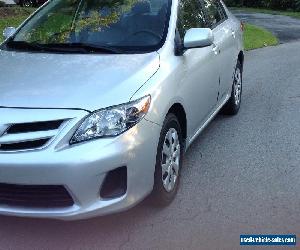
point(178, 110)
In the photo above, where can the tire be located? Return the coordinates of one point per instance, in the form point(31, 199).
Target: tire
point(165, 184)
point(233, 105)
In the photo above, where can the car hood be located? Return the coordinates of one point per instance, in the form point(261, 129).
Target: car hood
point(90, 82)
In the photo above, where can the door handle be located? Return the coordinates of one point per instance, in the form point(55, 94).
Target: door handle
point(216, 49)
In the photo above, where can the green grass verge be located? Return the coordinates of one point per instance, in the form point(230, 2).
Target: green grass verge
point(12, 16)
point(10, 22)
point(256, 37)
point(268, 11)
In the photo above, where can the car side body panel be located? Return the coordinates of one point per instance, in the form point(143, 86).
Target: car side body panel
point(169, 87)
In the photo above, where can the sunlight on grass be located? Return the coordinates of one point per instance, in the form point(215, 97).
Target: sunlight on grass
point(256, 37)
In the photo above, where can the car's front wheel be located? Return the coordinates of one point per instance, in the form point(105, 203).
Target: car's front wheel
point(168, 162)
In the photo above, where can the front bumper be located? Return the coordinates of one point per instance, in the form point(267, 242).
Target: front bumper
point(82, 168)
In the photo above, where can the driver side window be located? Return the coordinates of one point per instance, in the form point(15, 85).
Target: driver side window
point(190, 15)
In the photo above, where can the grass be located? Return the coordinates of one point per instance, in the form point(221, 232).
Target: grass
point(10, 22)
point(268, 11)
point(12, 17)
point(256, 37)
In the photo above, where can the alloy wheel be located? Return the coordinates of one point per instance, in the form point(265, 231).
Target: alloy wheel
point(170, 161)
point(237, 86)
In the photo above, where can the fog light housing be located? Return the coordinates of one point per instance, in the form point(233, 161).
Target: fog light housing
point(115, 184)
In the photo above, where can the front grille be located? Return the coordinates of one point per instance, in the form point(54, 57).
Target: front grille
point(34, 126)
point(32, 196)
point(28, 136)
point(23, 145)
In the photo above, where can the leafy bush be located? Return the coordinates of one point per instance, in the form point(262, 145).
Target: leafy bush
point(2, 4)
point(297, 5)
point(231, 3)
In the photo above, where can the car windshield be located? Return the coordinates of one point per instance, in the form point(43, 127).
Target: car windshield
point(112, 26)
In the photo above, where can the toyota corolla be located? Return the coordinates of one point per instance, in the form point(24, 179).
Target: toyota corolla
point(99, 100)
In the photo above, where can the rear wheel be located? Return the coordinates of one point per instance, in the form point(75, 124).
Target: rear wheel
point(233, 105)
point(168, 162)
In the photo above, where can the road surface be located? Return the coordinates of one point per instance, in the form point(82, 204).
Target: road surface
point(286, 28)
point(8, 1)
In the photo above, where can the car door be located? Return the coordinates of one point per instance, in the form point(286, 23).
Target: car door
point(201, 81)
point(224, 37)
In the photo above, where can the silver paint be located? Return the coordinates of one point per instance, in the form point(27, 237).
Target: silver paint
point(42, 87)
point(198, 38)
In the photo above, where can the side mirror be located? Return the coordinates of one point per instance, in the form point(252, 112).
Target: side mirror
point(8, 32)
point(198, 38)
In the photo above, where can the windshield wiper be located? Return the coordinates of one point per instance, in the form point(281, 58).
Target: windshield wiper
point(84, 47)
point(63, 47)
point(22, 45)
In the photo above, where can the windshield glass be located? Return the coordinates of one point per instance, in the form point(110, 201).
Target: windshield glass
point(110, 25)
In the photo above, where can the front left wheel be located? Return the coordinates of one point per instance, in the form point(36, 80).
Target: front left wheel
point(168, 162)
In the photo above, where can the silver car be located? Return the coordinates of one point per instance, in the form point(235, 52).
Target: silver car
point(99, 100)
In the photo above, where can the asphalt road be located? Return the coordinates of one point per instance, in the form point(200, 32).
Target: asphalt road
point(8, 1)
point(240, 176)
point(286, 28)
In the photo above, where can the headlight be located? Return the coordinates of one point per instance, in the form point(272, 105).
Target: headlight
point(112, 121)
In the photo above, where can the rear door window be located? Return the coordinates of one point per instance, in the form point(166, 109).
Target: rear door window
point(221, 10)
point(213, 14)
